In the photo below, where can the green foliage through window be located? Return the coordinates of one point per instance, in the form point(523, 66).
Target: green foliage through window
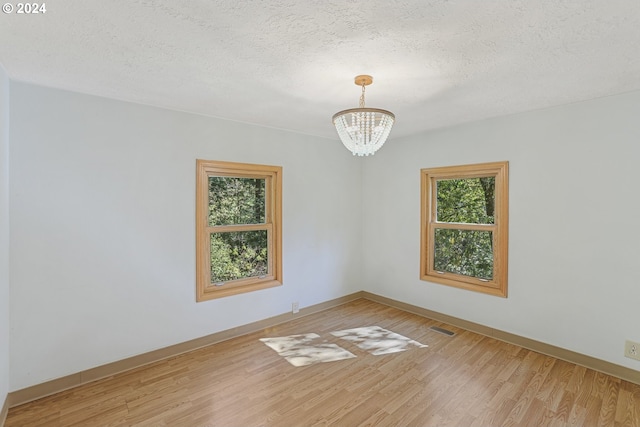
point(234, 200)
point(240, 254)
point(469, 201)
point(465, 252)
point(466, 201)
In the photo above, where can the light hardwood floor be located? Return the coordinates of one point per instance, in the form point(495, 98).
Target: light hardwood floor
point(464, 380)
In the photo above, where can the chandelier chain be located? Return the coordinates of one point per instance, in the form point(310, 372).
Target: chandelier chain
point(362, 96)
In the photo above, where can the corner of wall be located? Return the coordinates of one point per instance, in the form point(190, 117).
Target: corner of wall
point(4, 244)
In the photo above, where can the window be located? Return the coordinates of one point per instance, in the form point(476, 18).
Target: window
point(464, 226)
point(238, 228)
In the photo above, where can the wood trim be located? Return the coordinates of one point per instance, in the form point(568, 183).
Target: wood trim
point(596, 364)
point(273, 224)
point(38, 391)
point(57, 385)
point(428, 224)
point(4, 411)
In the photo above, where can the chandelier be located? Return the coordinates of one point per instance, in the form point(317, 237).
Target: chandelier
point(363, 130)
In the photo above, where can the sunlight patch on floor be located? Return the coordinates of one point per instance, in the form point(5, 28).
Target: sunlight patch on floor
point(300, 351)
point(307, 349)
point(377, 340)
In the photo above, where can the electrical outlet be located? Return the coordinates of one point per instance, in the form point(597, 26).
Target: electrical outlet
point(632, 350)
point(295, 307)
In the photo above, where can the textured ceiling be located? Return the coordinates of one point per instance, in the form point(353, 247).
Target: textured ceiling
point(290, 63)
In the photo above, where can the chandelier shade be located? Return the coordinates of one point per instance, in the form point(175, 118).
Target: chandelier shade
point(363, 130)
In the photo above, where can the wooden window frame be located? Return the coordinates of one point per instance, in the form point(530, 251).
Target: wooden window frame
point(272, 175)
point(500, 229)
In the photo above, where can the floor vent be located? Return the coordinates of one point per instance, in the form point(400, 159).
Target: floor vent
point(442, 331)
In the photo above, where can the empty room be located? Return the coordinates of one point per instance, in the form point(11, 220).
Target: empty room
point(293, 213)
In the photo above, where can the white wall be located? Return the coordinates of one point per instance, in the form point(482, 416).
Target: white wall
point(103, 234)
point(102, 226)
point(574, 280)
point(4, 236)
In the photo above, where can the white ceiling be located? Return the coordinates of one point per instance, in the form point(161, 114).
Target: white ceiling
point(290, 63)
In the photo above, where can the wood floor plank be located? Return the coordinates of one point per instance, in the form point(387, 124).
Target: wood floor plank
point(461, 380)
point(609, 403)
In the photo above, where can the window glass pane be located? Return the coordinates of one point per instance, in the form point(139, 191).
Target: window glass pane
point(234, 200)
point(238, 254)
point(470, 200)
point(465, 252)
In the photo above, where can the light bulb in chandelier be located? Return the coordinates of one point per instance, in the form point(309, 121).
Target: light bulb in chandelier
point(363, 130)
